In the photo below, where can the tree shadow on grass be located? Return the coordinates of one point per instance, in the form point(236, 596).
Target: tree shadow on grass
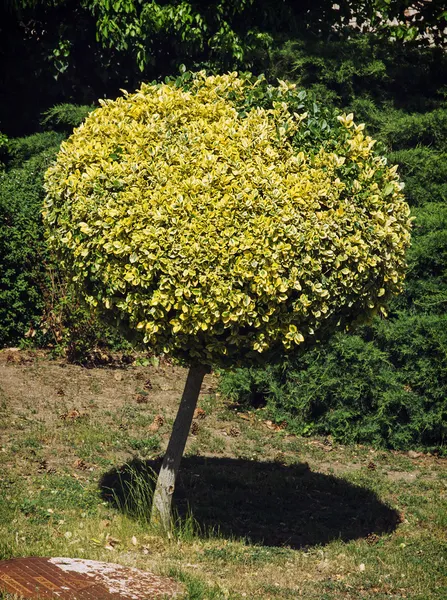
point(266, 503)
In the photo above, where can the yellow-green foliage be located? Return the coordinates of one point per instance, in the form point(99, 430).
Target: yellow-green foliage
point(210, 234)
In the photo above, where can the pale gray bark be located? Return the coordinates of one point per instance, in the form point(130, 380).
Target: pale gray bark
point(161, 504)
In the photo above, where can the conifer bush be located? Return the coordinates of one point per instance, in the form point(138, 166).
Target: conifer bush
point(389, 392)
point(63, 117)
point(424, 171)
point(221, 225)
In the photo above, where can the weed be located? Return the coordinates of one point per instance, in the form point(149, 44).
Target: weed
point(197, 589)
point(133, 492)
point(254, 555)
point(145, 446)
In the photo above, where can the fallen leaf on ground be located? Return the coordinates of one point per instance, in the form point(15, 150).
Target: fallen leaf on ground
point(413, 454)
point(273, 426)
point(199, 413)
point(81, 465)
point(244, 416)
point(157, 423)
point(141, 398)
point(112, 541)
point(321, 445)
point(71, 415)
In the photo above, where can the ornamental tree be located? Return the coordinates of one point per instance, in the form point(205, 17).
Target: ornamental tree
point(219, 222)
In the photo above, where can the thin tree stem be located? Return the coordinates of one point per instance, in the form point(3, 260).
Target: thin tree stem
point(161, 504)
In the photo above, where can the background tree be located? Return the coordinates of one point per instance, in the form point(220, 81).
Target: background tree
point(216, 221)
point(81, 51)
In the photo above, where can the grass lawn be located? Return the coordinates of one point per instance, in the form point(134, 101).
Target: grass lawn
point(262, 514)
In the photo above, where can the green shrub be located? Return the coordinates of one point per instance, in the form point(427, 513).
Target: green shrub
point(357, 391)
point(428, 255)
point(410, 131)
point(417, 347)
point(426, 284)
point(3, 148)
point(22, 149)
point(411, 136)
point(23, 254)
point(406, 76)
point(425, 173)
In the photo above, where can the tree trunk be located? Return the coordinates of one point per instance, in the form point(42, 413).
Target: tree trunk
point(161, 504)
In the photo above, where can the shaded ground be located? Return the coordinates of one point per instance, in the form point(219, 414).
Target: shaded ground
point(267, 503)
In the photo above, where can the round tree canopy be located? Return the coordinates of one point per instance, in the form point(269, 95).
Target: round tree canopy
point(218, 231)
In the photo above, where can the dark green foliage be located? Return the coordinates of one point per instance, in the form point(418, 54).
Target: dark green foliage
point(426, 286)
point(3, 148)
point(356, 392)
point(346, 70)
point(23, 255)
point(36, 145)
point(425, 173)
point(417, 347)
point(428, 255)
point(411, 131)
point(64, 117)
